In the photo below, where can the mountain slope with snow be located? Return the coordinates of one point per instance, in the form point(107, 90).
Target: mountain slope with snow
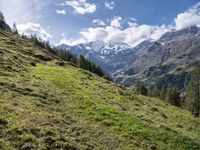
point(111, 57)
point(166, 61)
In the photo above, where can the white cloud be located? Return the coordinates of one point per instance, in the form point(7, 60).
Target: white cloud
point(188, 18)
point(116, 22)
point(64, 34)
point(132, 35)
point(132, 22)
point(61, 12)
point(110, 5)
point(71, 42)
point(32, 29)
point(94, 34)
point(81, 6)
point(135, 33)
point(22, 11)
point(99, 22)
point(62, 4)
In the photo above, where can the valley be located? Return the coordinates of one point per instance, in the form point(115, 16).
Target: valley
point(155, 63)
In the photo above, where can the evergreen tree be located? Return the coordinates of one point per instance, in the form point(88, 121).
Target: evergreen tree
point(193, 92)
point(152, 92)
point(173, 97)
point(82, 62)
point(2, 18)
point(3, 24)
point(14, 30)
point(24, 36)
point(163, 93)
point(141, 88)
point(34, 39)
point(99, 71)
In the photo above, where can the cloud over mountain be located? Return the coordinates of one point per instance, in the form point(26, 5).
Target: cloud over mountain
point(188, 18)
point(113, 33)
point(135, 33)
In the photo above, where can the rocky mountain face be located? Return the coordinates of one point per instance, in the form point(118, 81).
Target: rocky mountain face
point(165, 62)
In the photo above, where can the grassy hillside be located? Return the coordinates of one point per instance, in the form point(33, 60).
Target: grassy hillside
point(47, 106)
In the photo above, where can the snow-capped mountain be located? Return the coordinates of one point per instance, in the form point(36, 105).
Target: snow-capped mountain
point(99, 47)
point(103, 48)
point(110, 56)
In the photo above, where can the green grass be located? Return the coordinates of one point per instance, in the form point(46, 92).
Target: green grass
point(117, 110)
point(54, 107)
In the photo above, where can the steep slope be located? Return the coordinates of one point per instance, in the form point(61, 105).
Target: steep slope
point(166, 61)
point(46, 106)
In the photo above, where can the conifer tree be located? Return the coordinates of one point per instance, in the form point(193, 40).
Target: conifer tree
point(163, 93)
point(3, 24)
point(14, 30)
point(2, 18)
point(153, 92)
point(173, 97)
point(141, 89)
point(193, 92)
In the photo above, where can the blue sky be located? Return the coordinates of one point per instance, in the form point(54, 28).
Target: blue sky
point(78, 21)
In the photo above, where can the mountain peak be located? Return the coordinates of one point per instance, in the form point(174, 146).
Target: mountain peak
point(100, 47)
point(186, 33)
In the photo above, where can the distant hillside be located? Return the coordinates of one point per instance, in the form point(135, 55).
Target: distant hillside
point(166, 61)
point(47, 106)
